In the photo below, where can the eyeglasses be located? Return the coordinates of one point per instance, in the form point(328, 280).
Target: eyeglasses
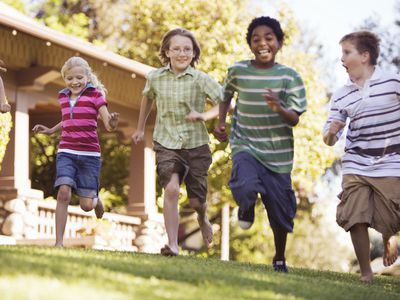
point(177, 51)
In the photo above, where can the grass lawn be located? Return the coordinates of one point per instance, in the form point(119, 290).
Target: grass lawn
point(54, 273)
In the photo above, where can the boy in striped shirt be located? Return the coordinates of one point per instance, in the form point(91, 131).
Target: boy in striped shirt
point(371, 163)
point(270, 99)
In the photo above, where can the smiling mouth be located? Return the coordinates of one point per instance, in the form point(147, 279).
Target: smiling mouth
point(264, 52)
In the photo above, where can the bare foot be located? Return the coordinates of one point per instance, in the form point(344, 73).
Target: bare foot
point(206, 230)
point(367, 278)
point(390, 252)
point(99, 209)
point(167, 251)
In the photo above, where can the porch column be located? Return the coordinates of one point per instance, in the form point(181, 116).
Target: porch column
point(15, 168)
point(142, 180)
point(21, 141)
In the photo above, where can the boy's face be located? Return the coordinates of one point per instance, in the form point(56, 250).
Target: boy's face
point(76, 80)
point(264, 45)
point(353, 60)
point(180, 53)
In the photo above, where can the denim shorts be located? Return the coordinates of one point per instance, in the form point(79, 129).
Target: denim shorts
point(80, 172)
point(249, 178)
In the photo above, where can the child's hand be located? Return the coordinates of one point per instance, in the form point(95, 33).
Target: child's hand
point(138, 136)
point(194, 116)
point(220, 132)
point(113, 121)
point(335, 127)
point(41, 129)
point(272, 100)
point(5, 107)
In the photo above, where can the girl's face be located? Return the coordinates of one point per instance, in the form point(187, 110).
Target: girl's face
point(180, 53)
point(264, 45)
point(76, 80)
point(353, 60)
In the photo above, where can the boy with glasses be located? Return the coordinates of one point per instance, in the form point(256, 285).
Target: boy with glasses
point(180, 135)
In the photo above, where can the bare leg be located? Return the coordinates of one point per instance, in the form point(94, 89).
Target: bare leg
point(280, 243)
point(390, 250)
point(63, 199)
point(204, 223)
point(171, 214)
point(86, 203)
point(360, 239)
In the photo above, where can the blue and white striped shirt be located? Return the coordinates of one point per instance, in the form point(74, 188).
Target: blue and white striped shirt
point(373, 137)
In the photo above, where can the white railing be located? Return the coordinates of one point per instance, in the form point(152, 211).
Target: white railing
point(119, 230)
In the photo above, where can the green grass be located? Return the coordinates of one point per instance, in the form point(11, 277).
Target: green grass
point(54, 273)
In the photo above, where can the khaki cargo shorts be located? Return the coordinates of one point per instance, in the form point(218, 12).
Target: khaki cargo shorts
point(190, 164)
point(371, 200)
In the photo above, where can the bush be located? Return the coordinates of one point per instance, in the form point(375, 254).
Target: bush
point(5, 128)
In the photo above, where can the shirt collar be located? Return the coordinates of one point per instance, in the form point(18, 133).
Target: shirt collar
point(375, 76)
point(66, 91)
point(189, 70)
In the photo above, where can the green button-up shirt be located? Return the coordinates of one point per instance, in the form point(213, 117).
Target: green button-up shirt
point(176, 96)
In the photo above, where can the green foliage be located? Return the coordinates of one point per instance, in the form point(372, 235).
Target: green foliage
point(54, 273)
point(218, 25)
point(5, 128)
point(43, 161)
point(73, 25)
point(17, 4)
point(114, 171)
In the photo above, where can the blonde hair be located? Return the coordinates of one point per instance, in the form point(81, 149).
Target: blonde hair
point(76, 61)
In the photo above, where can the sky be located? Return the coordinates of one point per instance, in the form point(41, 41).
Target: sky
point(333, 19)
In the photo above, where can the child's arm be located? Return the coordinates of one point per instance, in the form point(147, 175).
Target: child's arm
point(110, 120)
point(212, 113)
point(220, 130)
point(289, 116)
point(145, 109)
point(45, 130)
point(330, 135)
point(4, 106)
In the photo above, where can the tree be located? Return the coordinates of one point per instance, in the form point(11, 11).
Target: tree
point(5, 128)
point(17, 4)
point(389, 57)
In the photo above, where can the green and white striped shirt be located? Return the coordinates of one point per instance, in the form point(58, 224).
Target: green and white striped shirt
point(255, 127)
point(176, 96)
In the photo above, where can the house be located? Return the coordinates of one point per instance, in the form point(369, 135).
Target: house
point(34, 55)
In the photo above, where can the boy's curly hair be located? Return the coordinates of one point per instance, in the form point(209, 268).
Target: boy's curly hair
point(265, 21)
point(364, 41)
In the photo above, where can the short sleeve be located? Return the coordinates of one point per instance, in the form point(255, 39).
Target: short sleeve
point(148, 90)
point(296, 94)
point(212, 88)
point(228, 89)
point(99, 100)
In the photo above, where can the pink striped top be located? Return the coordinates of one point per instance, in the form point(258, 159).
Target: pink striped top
point(79, 122)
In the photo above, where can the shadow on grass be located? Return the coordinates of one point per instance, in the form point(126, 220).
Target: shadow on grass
point(116, 270)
